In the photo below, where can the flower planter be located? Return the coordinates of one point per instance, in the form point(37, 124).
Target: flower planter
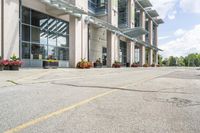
point(145, 65)
point(6, 67)
point(116, 64)
point(1, 67)
point(50, 65)
point(83, 64)
point(135, 65)
point(97, 65)
point(14, 68)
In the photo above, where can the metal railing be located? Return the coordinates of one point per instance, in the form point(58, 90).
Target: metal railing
point(98, 8)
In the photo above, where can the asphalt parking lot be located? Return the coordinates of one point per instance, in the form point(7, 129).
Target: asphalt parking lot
point(125, 100)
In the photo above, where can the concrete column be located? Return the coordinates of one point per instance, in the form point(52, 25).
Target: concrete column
point(1, 26)
point(112, 48)
point(150, 42)
point(156, 36)
point(10, 28)
point(78, 36)
point(131, 23)
point(156, 44)
point(112, 38)
point(142, 48)
point(130, 52)
point(131, 13)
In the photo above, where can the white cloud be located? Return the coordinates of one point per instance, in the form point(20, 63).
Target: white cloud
point(192, 6)
point(187, 43)
point(163, 37)
point(179, 32)
point(172, 15)
point(165, 7)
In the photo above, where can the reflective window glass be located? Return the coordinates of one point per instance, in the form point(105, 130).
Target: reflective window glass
point(38, 51)
point(39, 19)
point(52, 52)
point(52, 38)
point(62, 41)
point(25, 51)
point(25, 15)
point(25, 33)
point(63, 53)
point(39, 36)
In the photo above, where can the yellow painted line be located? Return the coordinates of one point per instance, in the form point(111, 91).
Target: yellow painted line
point(61, 111)
point(34, 76)
point(43, 118)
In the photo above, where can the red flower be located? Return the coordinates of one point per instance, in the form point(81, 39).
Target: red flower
point(5, 62)
point(11, 63)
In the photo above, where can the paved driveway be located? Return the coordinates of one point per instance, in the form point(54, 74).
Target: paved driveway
point(125, 100)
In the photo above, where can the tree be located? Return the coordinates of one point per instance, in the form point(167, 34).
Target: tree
point(172, 61)
point(160, 58)
point(181, 61)
point(165, 62)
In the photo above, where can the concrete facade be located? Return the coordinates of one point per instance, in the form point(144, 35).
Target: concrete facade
point(86, 40)
point(142, 48)
point(10, 29)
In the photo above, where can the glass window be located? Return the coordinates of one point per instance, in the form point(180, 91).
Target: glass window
point(61, 29)
point(52, 38)
point(52, 24)
point(52, 52)
point(43, 35)
point(62, 41)
point(25, 33)
point(63, 54)
point(39, 19)
point(38, 51)
point(25, 51)
point(25, 15)
point(39, 36)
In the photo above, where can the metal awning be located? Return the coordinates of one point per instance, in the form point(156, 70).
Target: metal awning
point(159, 21)
point(145, 3)
point(108, 27)
point(63, 7)
point(147, 45)
point(141, 42)
point(134, 32)
point(153, 13)
point(102, 24)
point(157, 49)
point(127, 33)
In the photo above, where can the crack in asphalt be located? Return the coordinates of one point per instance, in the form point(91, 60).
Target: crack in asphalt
point(118, 88)
point(179, 102)
point(13, 82)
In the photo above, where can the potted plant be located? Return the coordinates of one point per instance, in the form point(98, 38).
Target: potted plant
point(135, 65)
point(98, 63)
point(13, 64)
point(116, 64)
point(153, 65)
point(6, 64)
point(1, 64)
point(145, 65)
point(83, 64)
point(50, 63)
point(158, 65)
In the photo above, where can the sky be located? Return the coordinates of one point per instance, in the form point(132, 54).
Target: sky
point(180, 34)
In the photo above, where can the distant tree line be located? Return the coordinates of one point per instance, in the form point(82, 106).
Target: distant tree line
point(192, 60)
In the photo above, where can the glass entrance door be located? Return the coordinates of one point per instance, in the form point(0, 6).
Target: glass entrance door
point(123, 53)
